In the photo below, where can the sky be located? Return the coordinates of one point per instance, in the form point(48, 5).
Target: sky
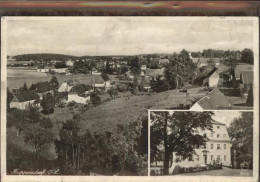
point(225, 117)
point(97, 36)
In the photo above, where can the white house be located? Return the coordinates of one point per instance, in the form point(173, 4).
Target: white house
point(79, 93)
point(95, 72)
point(217, 149)
point(143, 67)
point(60, 70)
point(70, 63)
point(214, 100)
point(67, 86)
point(23, 99)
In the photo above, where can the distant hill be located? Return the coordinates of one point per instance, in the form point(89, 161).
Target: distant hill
point(43, 56)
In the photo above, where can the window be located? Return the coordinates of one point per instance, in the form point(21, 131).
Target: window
point(198, 157)
point(211, 146)
point(212, 157)
point(218, 157)
point(225, 146)
point(224, 136)
point(225, 157)
point(218, 147)
point(217, 135)
point(211, 134)
point(217, 127)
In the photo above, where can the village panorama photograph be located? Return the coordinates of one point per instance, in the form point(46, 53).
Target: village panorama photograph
point(193, 143)
point(79, 88)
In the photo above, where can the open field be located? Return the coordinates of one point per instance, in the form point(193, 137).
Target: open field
point(17, 77)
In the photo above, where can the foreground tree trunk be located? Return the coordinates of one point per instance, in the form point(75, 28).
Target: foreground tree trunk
point(166, 162)
point(166, 147)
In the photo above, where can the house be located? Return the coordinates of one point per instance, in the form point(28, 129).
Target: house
point(67, 86)
point(247, 80)
point(79, 93)
point(99, 82)
point(242, 67)
point(100, 64)
point(129, 75)
point(153, 73)
point(217, 149)
point(70, 63)
point(215, 77)
point(45, 69)
point(145, 83)
point(60, 70)
point(95, 72)
point(42, 88)
point(247, 77)
point(23, 99)
point(200, 62)
point(164, 62)
point(143, 67)
point(214, 100)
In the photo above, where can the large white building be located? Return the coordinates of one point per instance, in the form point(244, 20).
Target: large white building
point(217, 149)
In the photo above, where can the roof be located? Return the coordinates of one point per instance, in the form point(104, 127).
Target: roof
point(42, 87)
point(26, 96)
point(205, 60)
point(216, 122)
point(129, 73)
point(145, 83)
point(213, 100)
point(164, 61)
point(80, 88)
point(243, 67)
point(247, 77)
point(155, 72)
point(98, 79)
point(72, 82)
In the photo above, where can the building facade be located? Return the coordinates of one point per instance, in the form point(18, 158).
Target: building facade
point(217, 149)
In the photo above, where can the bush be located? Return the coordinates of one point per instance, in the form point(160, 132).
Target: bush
point(72, 103)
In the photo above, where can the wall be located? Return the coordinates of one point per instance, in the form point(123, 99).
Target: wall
point(77, 99)
point(21, 105)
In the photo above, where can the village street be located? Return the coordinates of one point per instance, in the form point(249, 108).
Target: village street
point(221, 172)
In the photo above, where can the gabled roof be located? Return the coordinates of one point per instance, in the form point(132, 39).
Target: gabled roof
point(80, 88)
point(247, 77)
point(42, 87)
point(26, 96)
point(243, 67)
point(164, 61)
point(145, 83)
point(155, 72)
point(216, 122)
point(214, 100)
point(72, 82)
point(129, 73)
point(205, 60)
point(98, 80)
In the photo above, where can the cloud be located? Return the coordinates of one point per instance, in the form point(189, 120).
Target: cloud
point(126, 35)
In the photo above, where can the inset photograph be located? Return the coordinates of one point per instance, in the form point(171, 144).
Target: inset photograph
point(190, 143)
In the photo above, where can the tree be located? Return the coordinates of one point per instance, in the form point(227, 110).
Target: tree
point(25, 88)
point(179, 133)
point(54, 82)
point(112, 92)
point(48, 103)
point(38, 137)
point(94, 98)
point(158, 84)
point(247, 56)
point(241, 133)
point(9, 98)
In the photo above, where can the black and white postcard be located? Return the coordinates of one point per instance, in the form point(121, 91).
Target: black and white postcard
point(129, 96)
